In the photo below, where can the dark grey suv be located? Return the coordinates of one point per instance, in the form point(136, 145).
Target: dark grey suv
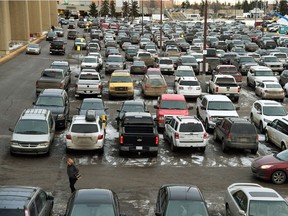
point(236, 133)
point(25, 200)
point(57, 101)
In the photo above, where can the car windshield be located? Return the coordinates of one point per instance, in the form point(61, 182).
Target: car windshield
point(90, 208)
point(263, 73)
point(144, 54)
point(283, 156)
point(220, 105)
point(31, 126)
point(228, 70)
point(89, 77)
point(186, 207)
point(84, 128)
point(95, 105)
point(59, 66)
point(114, 59)
point(274, 86)
point(173, 105)
point(33, 45)
point(267, 208)
point(184, 73)
point(281, 56)
point(90, 60)
point(53, 74)
point(191, 127)
point(270, 59)
point(274, 111)
point(120, 79)
point(133, 108)
point(49, 101)
point(165, 61)
point(189, 60)
point(14, 212)
point(247, 59)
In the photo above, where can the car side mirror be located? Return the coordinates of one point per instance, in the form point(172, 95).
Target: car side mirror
point(155, 107)
point(77, 75)
point(237, 108)
point(11, 130)
point(34, 103)
point(203, 108)
point(242, 213)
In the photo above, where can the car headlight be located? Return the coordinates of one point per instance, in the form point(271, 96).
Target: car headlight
point(44, 144)
point(13, 142)
point(266, 120)
point(266, 166)
point(60, 116)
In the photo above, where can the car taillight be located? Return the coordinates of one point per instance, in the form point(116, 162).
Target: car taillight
point(100, 137)
point(147, 86)
point(26, 212)
point(229, 136)
point(121, 140)
point(176, 136)
point(205, 136)
point(100, 87)
point(156, 140)
point(61, 85)
point(217, 89)
point(239, 89)
point(68, 136)
point(181, 88)
point(257, 137)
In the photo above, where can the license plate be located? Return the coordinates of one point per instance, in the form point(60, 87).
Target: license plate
point(139, 147)
point(228, 88)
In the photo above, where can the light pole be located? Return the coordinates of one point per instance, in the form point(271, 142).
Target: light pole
point(142, 18)
point(161, 25)
point(205, 37)
point(256, 10)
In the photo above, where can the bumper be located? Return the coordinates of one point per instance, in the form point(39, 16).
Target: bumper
point(260, 173)
point(57, 51)
point(139, 148)
point(78, 93)
point(238, 145)
point(121, 94)
point(29, 150)
point(72, 146)
point(273, 96)
point(192, 144)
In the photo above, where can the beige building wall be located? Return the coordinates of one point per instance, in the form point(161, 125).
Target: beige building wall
point(46, 17)
point(19, 15)
point(35, 17)
point(54, 13)
point(5, 26)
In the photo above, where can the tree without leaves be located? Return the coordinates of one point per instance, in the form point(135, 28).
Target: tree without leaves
point(112, 8)
point(187, 4)
point(104, 8)
point(183, 5)
point(93, 9)
point(202, 8)
point(125, 9)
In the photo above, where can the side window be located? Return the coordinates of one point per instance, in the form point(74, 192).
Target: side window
point(204, 102)
point(281, 127)
point(32, 209)
point(172, 122)
point(40, 201)
point(241, 200)
point(176, 125)
point(50, 121)
point(164, 200)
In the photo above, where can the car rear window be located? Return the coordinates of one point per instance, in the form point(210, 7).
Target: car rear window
point(84, 128)
point(165, 61)
point(89, 77)
point(53, 74)
point(189, 83)
point(191, 127)
point(139, 129)
point(243, 129)
point(14, 212)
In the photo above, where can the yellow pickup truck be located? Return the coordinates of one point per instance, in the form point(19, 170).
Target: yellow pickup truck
point(121, 85)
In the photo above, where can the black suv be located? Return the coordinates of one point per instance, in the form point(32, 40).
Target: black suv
point(180, 200)
point(57, 101)
point(22, 200)
point(236, 133)
point(57, 46)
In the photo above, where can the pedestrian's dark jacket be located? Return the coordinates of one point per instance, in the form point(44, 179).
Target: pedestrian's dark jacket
point(72, 171)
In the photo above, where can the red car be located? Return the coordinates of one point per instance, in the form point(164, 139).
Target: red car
point(272, 167)
point(170, 105)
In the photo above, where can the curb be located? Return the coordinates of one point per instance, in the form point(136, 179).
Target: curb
point(19, 50)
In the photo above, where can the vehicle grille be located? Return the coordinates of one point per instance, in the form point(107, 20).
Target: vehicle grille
point(28, 144)
point(121, 88)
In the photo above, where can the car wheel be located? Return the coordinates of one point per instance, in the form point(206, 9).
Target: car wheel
point(248, 84)
point(197, 113)
point(173, 148)
point(207, 126)
point(165, 135)
point(261, 127)
point(283, 146)
point(202, 149)
point(236, 99)
point(154, 154)
point(278, 177)
point(101, 150)
point(110, 97)
point(224, 147)
point(228, 211)
point(215, 137)
point(254, 151)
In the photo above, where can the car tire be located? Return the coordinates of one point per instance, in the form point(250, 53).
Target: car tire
point(261, 127)
point(197, 113)
point(236, 99)
point(154, 154)
point(101, 150)
point(223, 146)
point(202, 149)
point(254, 151)
point(215, 137)
point(228, 211)
point(207, 126)
point(283, 146)
point(173, 148)
point(165, 135)
point(110, 97)
point(278, 177)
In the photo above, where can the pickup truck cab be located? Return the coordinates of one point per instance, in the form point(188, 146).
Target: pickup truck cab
point(138, 133)
point(229, 70)
point(169, 105)
point(213, 108)
point(88, 83)
point(226, 85)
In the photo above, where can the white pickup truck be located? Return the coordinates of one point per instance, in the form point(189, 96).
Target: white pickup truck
point(225, 85)
point(213, 108)
point(88, 83)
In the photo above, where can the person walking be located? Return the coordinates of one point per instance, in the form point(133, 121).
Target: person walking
point(73, 173)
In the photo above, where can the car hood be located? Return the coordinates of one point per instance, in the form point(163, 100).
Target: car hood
point(273, 63)
point(54, 109)
point(267, 159)
point(266, 78)
point(173, 112)
point(122, 84)
point(222, 113)
point(31, 138)
point(250, 64)
point(98, 112)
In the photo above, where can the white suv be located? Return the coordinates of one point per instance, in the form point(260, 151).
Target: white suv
point(86, 132)
point(33, 133)
point(277, 132)
point(188, 86)
point(258, 74)
point(185, 131)
point(265, 111)
point(166, 65)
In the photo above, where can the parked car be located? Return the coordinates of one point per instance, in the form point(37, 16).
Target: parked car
point(33, 49)
point(138, 67)
point(265, 111)
point(188, 86)
point(33, 132)
point(185, 131)
point(96, 104)
point(23, 200)
point(120, 85)
point(98, 201)
point(238, 133)
point(270, 90)
point(57, 101)
point(154, 85)
point(180, 200)
point(283, 79)
point(253, 199)
point(86, 132)
point(277, 133)
point(271, 167)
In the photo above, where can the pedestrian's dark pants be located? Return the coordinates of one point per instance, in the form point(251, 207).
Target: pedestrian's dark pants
point(72, 182)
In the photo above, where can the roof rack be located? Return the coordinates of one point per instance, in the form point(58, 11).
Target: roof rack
point(90, 115)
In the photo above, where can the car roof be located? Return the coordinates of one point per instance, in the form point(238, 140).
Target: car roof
point(183, 192)
point(92, 100)
point(37, 114)
point(184, 67)
point(188, 78)
point(93, 195)
point(217, 97)
point(52, 92)
point(60, 63)
point(15, 196)
point(135, 114)
point(136, 102)
point(122, 73)
point(172, 97)
point(268, 103)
